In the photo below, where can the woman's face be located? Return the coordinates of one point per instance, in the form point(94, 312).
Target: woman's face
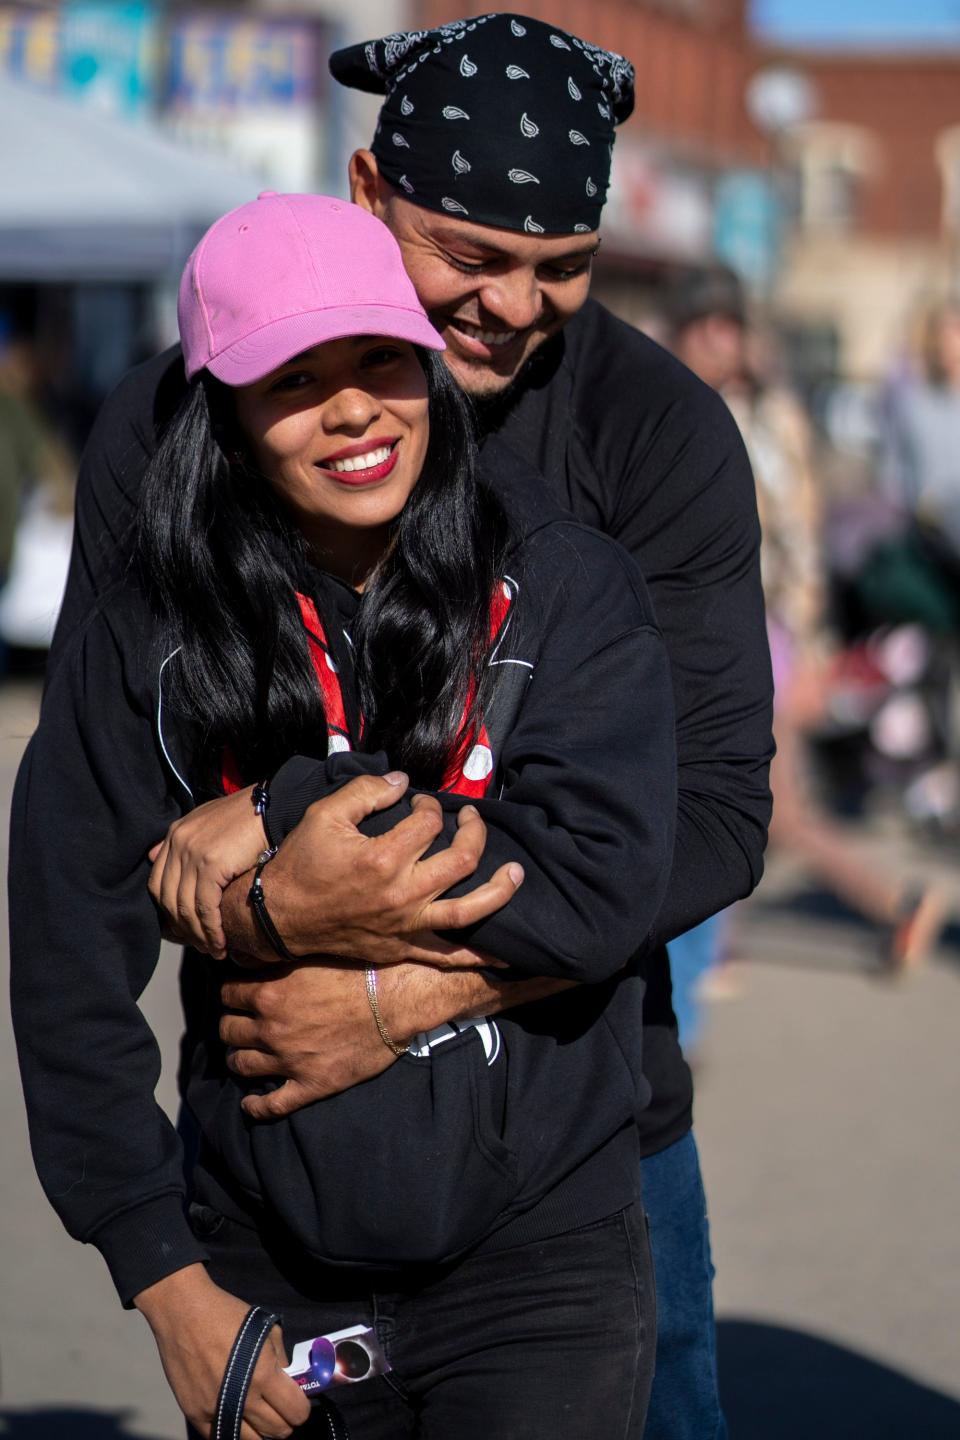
point(340, 433)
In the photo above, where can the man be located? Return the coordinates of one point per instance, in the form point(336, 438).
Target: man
point(490, 165)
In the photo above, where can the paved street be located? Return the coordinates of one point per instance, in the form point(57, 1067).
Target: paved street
point(827, 1115)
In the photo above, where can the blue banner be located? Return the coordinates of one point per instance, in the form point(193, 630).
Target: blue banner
point(108, 54)
point(228, 63)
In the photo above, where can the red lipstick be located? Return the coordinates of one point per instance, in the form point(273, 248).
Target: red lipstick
point(373, 473)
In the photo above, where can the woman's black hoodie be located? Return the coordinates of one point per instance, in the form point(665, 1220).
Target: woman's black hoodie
point(443, 1152)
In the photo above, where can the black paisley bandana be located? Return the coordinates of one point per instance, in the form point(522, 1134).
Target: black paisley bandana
point(502, 120)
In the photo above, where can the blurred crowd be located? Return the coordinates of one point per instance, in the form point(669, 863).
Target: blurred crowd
point(859, 502)
point(858, 492)
point(859, 499)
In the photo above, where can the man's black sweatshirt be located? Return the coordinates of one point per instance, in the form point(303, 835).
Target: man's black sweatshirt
point(629, 441)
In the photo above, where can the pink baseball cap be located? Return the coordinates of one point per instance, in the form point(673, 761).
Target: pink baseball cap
point(287, 272)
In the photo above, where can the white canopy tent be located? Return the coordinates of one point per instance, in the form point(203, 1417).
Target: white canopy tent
point(84, 197)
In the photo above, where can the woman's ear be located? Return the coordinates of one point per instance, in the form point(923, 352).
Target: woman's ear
point(366, 186)
point(224, 427)
point(228, 446)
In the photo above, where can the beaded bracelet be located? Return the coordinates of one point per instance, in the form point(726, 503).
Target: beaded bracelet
point(261, 804)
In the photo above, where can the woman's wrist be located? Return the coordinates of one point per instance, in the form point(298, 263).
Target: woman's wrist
point(173, 1295)
point(258, 902)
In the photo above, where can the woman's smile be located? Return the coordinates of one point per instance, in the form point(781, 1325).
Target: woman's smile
point(364, 464)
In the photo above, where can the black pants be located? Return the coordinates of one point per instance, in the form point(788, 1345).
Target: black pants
point(546, 1341)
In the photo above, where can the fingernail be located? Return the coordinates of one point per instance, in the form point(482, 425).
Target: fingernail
point(395, 777)
point(469, 810)
point(515, 872)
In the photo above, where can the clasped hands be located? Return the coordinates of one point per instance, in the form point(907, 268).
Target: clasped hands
point(341, 900)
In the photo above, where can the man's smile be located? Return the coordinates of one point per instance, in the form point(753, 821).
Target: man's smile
point(494, 338)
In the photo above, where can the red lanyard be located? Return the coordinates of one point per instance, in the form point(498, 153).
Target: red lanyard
point(471, 766)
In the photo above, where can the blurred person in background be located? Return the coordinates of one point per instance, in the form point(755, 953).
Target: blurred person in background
point(920, 465)
point(36, 498)
point(490, 164)
point(913, 576)
point(711, 334)
point(21, 464)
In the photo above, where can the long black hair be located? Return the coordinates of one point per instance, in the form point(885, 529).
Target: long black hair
point(222, 563)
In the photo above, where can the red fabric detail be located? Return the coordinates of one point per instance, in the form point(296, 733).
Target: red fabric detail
point(473, 740)
point(231, 778)
point(323, 668)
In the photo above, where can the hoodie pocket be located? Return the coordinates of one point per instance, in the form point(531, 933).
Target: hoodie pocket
point(407, 1168)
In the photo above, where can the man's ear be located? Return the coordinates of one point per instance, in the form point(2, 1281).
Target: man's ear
point(366, 186)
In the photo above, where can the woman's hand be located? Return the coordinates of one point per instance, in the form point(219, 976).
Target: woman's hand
point(195, 1323)
point(193, 866)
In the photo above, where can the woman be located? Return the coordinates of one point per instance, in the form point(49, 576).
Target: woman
point(322, 586)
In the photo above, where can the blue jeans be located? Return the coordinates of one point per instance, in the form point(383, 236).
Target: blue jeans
point(691, 956)
point(684, 1402)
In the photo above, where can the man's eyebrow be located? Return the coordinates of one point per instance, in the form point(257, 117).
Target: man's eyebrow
point(578, 252)
point(452, 239)
point(478, 241)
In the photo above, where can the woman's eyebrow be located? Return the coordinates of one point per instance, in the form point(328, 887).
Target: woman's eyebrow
point(299, 358)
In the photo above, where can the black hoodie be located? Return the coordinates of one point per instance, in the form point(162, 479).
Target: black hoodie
point(443, 1152)
point(629, 441)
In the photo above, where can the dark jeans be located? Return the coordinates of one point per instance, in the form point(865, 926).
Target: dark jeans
point(553, 1339)
point(684, 1403)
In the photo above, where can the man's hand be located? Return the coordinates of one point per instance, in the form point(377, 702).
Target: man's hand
point(195, 1323)
point(311, 1023)
point(195, 863)
point(332, 890)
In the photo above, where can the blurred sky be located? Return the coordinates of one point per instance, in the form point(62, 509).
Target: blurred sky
point(893, 22)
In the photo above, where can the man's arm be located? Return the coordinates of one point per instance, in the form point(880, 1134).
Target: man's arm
point(696, 537)
point(374, 894)
point(588, 793)
point(312, 1023)
point(371, 894)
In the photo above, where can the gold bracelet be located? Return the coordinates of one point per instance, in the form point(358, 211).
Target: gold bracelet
point(370, 975)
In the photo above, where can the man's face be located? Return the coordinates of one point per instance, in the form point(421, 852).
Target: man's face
point(495, 295)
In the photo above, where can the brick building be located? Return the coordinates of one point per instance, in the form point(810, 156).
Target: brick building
point(691, 58)
point(877, 228)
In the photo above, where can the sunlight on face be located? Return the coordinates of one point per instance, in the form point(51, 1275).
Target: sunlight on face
point(494, 295)
point(340, 433)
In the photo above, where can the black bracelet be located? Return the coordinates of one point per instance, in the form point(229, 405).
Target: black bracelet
point(258, 901)
point(261, 804)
